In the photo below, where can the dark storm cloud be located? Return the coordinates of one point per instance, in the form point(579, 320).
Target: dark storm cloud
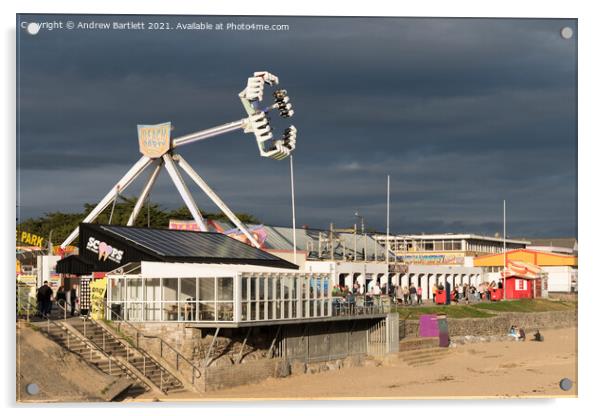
point(462, 113)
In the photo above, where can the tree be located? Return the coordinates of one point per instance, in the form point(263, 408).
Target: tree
point(62, 224)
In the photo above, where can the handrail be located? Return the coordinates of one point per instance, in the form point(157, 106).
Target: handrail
point(162, 342)
point(91, 345)
point(119, 363)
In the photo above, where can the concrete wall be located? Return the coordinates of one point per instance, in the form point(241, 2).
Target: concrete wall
point(247, 373)
point(499, 324)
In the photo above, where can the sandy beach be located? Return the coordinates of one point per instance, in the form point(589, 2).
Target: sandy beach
point(492, 369)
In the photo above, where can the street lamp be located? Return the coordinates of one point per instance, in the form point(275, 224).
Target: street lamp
point(357, 214)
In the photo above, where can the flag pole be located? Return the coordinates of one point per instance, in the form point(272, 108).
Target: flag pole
point(388, 216)
point(504, 271)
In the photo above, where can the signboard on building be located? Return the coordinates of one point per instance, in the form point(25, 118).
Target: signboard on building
point(98, 288)
point(154, 140)
point(431, 258)
point(30, 239)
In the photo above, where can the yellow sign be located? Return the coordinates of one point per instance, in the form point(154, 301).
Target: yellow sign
point(30, 239)
point(98, 288)
point(154, 140)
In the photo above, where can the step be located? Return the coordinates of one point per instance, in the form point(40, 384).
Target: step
point(425, 352)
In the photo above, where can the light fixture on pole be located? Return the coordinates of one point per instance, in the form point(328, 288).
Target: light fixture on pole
point(157, 148)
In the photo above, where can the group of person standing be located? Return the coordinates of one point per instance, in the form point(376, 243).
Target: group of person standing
point(408, 296)
point(45, 297)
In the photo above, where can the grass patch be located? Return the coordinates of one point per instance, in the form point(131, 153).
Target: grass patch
point(487, 309)
point(452, 311)
point(527, 305)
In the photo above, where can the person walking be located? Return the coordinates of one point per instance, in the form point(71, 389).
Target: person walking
point(44, 296)
point(406, 295)
point(61, 297)
point(399, 294)
point(73, 299)
point(434, 290)
point(412, 294)
point(419, 295)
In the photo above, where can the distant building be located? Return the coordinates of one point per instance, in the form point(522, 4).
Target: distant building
point(555, 245)
point(446, 249)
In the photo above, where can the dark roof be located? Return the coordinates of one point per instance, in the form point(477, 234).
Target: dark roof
point(191, 246)
point(74, 265)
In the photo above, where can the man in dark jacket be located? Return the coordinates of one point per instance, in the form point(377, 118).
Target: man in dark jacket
point(73, 298)
point(44, 297)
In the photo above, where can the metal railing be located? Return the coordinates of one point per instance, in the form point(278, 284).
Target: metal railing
point(359, 305)
point(92, 347)
point(137, 353)
point(179, 357)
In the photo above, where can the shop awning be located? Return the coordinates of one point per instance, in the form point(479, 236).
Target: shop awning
point(74, 265)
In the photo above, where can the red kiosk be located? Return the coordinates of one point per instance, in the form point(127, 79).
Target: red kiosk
point(520, 280)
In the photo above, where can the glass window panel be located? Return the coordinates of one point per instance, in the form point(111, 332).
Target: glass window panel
point(286, 288)
point(207, 311)
point(225, 288)
point(225, 311)
point(170, 289)
point(278, 291)
point(318, 287)
point(206, 288)
point(152, 311)
point(252, 311)
point(170, 311)
point(261, 288)
point(188, 310)
point(187, 289)
point(253, 288)
point(287, 309)
point(270, 310)
point(134, 289)
point(134, 311)
point(244, 308)
point(244, 289)
point(270, 283)
point(117, 289)
point(152, 290)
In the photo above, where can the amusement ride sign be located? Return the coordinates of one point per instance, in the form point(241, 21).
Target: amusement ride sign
point(155, 139)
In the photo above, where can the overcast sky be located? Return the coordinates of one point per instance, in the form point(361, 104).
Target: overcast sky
point(462, 113)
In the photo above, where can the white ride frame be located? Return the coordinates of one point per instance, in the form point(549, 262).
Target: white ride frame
point(256, 123)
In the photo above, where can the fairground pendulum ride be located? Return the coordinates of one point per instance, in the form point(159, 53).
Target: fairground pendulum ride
point(157, 148)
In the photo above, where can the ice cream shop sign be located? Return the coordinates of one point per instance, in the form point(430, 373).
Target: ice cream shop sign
point(104, 250)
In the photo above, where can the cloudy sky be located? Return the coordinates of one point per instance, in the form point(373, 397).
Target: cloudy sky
point(461, 113)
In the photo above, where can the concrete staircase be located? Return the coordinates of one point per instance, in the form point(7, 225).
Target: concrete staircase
point(61, 333)
point(142, 362)
point(424, 357)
